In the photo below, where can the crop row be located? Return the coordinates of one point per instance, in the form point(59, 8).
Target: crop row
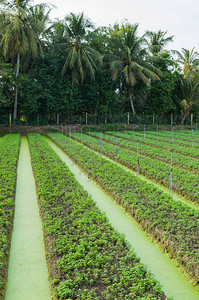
point(173, 224)
point(180, 137)
point(164, 155)
point(9, 149)
point(184, 148)
point(88, 258)
point(184, 182)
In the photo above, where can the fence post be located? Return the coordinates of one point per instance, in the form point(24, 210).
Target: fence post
point(70, 131)
point(128, 118)
point(10, 119)
point(57, 119)
point(171, 170)
point(191, 119)
point(100, 145)
point(137, 157)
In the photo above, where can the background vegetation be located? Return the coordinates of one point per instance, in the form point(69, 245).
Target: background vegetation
point(68, 68)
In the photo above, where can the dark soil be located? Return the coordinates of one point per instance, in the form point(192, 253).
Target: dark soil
point(24, 130)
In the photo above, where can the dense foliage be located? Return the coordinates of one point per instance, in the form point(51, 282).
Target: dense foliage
point(68, 67)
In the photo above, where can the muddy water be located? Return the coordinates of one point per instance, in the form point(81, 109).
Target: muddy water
point(173, 282)
point(27, 273)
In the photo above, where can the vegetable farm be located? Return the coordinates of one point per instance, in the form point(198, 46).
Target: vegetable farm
point(9, 150)
point(87, 258)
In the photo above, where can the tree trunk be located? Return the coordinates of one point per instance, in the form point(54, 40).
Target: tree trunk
point(16, 90)
point(131, 99)
point(186, 113)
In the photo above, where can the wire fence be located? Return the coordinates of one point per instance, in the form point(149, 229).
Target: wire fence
point(100, 119)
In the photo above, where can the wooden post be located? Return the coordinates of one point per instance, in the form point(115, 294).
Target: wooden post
point(172, 134)
point(100, 145)
point(153, 118)
point(171, 119)
point(10, 119)
point(191, 119)
point(171, 170)
point(128, 118)
point(57, 119)
point(137, 157)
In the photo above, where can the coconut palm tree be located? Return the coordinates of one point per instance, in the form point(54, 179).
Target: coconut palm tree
point(188, 59)
point(190, 92)
point(81, 59)
point(131, 61)
point(157, 40)
point(189, 79)
point(19, 38)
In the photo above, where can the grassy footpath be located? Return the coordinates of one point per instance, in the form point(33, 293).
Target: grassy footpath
point(9, 150)
point(87, 258)
point(172, 224)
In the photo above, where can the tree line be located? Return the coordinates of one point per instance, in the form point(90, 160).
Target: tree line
point(70, 67)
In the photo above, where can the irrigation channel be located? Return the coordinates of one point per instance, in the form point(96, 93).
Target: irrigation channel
point(173, 281)
point(27, 272)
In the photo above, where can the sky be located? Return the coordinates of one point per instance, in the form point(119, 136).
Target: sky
point(178, 17)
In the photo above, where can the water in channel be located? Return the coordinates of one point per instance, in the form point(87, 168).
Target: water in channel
point(173, 281)
point(27, 272)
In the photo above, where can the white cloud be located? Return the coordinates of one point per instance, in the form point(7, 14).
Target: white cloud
point(178, 17)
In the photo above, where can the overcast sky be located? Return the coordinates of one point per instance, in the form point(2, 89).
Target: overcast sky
point(179, 17)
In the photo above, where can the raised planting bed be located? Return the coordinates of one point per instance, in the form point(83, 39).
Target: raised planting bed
point(9, 151)
point(180, 160)
point(87, 258)
point(172, 224)
point(184, 182)
point(165, 142)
